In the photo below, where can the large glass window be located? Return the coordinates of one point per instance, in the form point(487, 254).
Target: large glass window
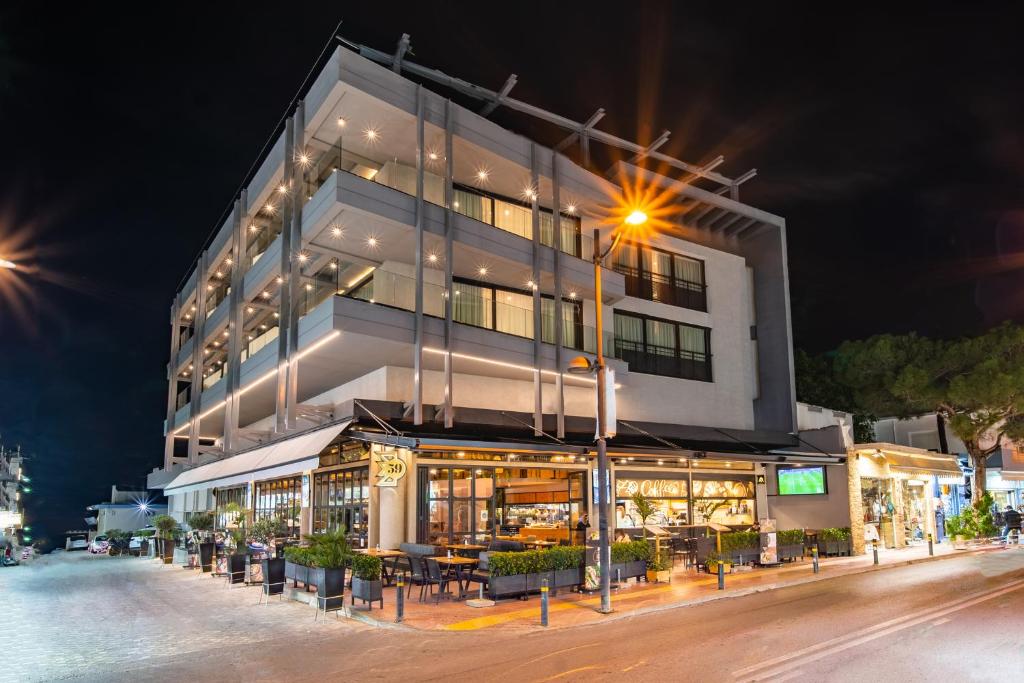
point(723, 501)
point(280, 498)
point(511, 311)
point(223, 498)
point(658, 275)
point(663, 347)
point(341, 500)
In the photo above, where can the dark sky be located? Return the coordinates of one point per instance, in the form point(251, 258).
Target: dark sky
point(892, 143)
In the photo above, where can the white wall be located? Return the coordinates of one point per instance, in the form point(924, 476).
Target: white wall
point(814, 512)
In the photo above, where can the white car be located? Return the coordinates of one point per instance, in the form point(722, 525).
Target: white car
point(100, 544)
point(78, 543)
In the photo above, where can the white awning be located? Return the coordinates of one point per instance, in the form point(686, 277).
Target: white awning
point(282, 458)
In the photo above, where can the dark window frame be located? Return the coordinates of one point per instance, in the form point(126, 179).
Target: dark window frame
point(641, 284)
point(678, 350)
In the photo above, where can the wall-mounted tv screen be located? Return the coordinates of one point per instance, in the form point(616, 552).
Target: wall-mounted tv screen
point(801, 481)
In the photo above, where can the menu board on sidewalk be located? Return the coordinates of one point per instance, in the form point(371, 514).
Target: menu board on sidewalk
point(769, 542)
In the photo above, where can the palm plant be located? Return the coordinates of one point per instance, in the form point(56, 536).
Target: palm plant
point(645, 509)
point(330, 549)
point(707, 507)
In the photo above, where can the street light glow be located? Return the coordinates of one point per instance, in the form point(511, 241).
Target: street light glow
point(10, 265)
point(637, 217)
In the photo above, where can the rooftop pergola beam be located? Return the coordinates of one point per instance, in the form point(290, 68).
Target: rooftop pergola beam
point(510, 83)
point(741, 228)
point(587, 125)
point(661, 140)
point(575, 127)
point(403, 47)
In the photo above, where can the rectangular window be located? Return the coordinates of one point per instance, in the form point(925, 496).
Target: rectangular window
point(663, 347)
point(511, 311)
point(341, 500)
point(280, 498)
point(658, 275)
point(516, 217)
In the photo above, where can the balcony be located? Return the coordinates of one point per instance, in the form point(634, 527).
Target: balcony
point(664, 289)
point(663, 360)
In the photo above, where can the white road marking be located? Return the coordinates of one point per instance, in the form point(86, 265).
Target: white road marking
point(940, 622)
point(778, 665)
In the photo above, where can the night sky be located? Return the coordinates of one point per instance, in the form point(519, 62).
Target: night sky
point(893, 144)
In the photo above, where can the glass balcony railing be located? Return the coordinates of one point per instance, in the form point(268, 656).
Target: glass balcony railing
point(479, 307)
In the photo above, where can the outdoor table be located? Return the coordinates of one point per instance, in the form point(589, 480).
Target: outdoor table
point(457, 564)
point(540, 544)
point(384, 555)
point(466, 548)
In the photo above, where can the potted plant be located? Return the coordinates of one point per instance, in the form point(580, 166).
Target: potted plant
point(366, 579)
point(706, 507)
point(958, 530)
point(297, 563)
point(236, 541)
point(835, 540)
point(166, 528)
point(790, 544)
point(659, 567)
point(330, 553)
point(202, 524)
point(714, 560)
point(264, 530)
point(567, 566)
point(629, 559)
point(740, 547)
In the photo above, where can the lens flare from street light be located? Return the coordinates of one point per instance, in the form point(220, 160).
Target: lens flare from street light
point(4, 263)
point(637, 217)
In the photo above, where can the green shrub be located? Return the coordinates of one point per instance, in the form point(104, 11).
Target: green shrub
point(630, 551)
point(299, 555)
point(790, 537)
point(566, 557)
point(957, 525)
point(982, 522)
point(166, 525)
point(265, 529)
point(834, 534)
point(366, 567)
point(740, 540)
point(330, 549)
point(201, 521)
point(553, 559)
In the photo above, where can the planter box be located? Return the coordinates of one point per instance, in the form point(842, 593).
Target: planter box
point(297, 573)
point(568, 578)
point(791, 552)
point(627, 570)
point(330, 588)
point(523, 584)
point(236, 568)
point(499, 586)
point(368, 591)
point(832, 548)
point(273, 575)
point(661, 576)
point(167, 550)
point(744, 555)
point(206, 551)
point(712, 567)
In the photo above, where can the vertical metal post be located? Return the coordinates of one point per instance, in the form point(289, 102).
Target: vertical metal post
point(283, 307)
point(236, 321)
point(172, 380)
point(449, 303)
point(874, 550)
point(931, 548)
point(538, 320)
point(604, 547)
point(417, 363)
point(198, 346)
point(556, 217)
point(814, 558)
point(721, 575)
point(296, 291)
point(544, 603)
point(400, 599)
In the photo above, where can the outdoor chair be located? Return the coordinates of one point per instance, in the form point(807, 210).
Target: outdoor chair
point(481, 573)
point(417, 575)
point(434, 577)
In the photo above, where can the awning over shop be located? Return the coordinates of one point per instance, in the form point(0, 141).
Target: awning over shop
point(1013, 464)
point(909, 461)
point(281, 458)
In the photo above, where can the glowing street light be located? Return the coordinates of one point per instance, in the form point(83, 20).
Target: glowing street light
point(10, 265)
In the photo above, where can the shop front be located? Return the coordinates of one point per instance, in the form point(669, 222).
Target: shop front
point(895, 494)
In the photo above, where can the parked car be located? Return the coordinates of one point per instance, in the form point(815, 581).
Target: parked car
point(100, 544)
point(79, 542)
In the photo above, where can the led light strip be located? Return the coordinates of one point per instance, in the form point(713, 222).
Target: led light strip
point(241, 392)
point(514, 366)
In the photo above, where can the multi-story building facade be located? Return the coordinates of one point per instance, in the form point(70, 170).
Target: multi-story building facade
point(377, 334)
point(12, 481)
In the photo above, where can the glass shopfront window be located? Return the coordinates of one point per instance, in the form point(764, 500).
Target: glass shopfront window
point(723, 501)
point(341, 500)
point(223, 498)
point(670, 497)
point(280, 498)
point(475, 504)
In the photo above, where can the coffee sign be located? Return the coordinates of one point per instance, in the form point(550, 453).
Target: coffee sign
point(650, 488)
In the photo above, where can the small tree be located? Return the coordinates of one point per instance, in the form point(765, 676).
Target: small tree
point(707, 507)
point(645, 508)
point(201, 521)
point(165, 525)
point(975, 384)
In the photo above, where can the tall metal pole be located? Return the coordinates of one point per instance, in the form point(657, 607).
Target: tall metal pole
point(604, 548)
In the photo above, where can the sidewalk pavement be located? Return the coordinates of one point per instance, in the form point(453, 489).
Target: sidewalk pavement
point(688, 587)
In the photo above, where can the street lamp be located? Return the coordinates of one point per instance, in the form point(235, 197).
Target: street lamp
point(10, 265)
point(580, 366)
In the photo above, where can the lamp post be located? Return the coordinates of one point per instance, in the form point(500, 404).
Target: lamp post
point(581, 366)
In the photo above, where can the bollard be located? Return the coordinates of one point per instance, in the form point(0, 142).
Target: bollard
point(874, 550)
point(814, 556)
point(544, 603)
point(931, 548)
point(400, 599)
point(721, 576)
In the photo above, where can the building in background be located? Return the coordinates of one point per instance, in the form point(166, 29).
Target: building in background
point(376, 334)
point(13, 483)
point(126, 510)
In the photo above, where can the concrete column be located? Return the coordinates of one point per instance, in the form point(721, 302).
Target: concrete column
point(417, 363)
point(538, 399)
point(172, 381)
point(198, 346)
point(388, 505)
point(761, 492)
point(449, 198)
point(556, 207)
point(856, 502)
point(236, 322)
point(296, 290)
point(284, 299)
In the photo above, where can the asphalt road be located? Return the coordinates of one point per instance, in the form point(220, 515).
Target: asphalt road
point(956, 619)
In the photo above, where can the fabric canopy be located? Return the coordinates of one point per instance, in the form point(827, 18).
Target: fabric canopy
point(914, 461)
point(281, 458)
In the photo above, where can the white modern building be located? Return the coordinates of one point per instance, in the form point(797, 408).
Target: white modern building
point(12, 481)
point(376, 334)
point(126, 510)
